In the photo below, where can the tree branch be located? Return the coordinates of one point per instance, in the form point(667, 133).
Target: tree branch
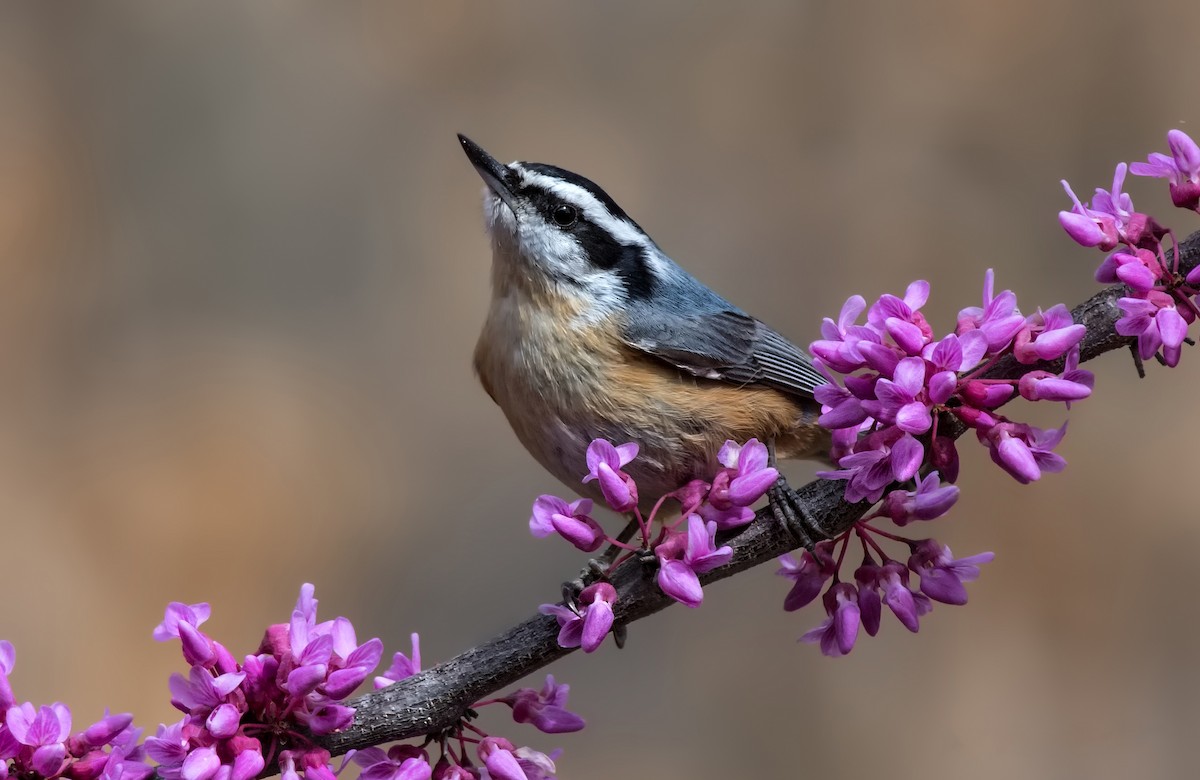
point(437, 698)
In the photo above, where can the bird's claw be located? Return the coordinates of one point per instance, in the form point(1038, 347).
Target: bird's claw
point(595, 570)
point(793, 515)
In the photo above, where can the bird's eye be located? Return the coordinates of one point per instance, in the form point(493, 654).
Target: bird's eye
point(564, 215)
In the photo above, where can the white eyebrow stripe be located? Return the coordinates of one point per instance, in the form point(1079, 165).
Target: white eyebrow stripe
point(595, 211)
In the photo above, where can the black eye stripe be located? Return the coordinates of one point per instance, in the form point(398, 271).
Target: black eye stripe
point(555, 172)
point(628, 261)
point(545, 203)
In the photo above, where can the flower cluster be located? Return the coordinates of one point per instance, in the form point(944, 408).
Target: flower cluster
point(684, 546)
point(899, 380)
point(237, 716)
point(240, 717)
point(899, 383)
point(881, 579)
point(36, 743)
point(1161, 301)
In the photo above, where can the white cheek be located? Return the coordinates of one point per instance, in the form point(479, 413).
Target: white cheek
point(554, 250)
point(497, 217)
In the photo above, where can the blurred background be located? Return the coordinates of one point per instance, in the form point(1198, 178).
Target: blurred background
point(242, 270)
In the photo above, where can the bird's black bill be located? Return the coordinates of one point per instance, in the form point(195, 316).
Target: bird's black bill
point(492, 170)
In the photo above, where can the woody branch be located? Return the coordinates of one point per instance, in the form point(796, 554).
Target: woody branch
point(437, 698)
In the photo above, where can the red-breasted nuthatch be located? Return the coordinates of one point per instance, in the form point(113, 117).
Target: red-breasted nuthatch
point(593, 332)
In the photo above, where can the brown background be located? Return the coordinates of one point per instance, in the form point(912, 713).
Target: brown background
point(242, 271)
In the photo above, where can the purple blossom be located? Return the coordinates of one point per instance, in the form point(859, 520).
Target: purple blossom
point(191, 614)
point(535, 764)
point(1110, 220)
point(121, 766)
point(943, 456)
point(998, 319)
point(604, 463)
point(1073, 373)
point(899, 598)
point(1047, 335)
point(870, 608)
point(1181, 169)
point(899, 399)
point(8, 659)
point(750, 476)
point(497, 756)
point(1024, 451)
point(200, 693)
point(985, 393)
point(901, 319)
point(1156, 323)
point(169, 746)
point(552, 514)
point(930, 500)
point(1044, 386)
point(402, 666)
point(545, 709)
point(681, 558)
point(587, 626)
point(1140, 270)
point(223, 721)
point(44, 729)
point(839, 344)
point(839, 407)
point(894, 456)
point(942, 575)
point(182, 621)
point(745, 478)
point(400, 762)
point(444, 770)
point(838, 633)
point(109, 730)
point(808, 576)
point(200, 764)
point(951, 355)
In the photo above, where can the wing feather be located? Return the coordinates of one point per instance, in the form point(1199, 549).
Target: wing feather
point(727, 345)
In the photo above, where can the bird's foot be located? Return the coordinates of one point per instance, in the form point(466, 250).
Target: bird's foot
point(595, 570)
point(792, 513)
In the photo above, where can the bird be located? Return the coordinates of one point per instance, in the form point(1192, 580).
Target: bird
point(594, 332)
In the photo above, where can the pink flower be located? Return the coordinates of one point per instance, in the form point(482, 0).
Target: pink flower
point(45, 730)
point(942, 575)
point(838, 633)
point(998, 318)
point(1140, 270)
point(573, 522)
point(1047, 335)
point(545, 709)
point(400, 762)
point(587, 626)
point(808, 576)
point(681, 558)
point(1024, 451)
point(1181, 169)
point(899, 400)
point(403, 666)
point(604, 464)
point(1156, 323)
point(930, 500)
point(889, 456)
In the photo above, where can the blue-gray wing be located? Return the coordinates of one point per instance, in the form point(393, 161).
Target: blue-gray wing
point(723, 344)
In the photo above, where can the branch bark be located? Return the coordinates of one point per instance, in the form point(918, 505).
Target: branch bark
point(435, 699)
